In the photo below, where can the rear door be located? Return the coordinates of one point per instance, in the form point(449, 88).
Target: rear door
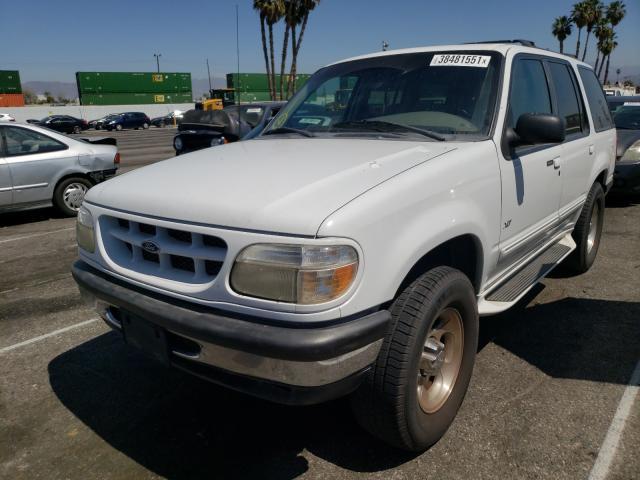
point(6, 185)
point(34, 160)
point(577, 148)
point(531, 183)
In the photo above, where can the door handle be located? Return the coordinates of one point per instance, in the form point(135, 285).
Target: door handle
point(555, 163)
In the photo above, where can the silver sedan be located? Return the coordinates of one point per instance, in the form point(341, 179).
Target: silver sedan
point(40, 168)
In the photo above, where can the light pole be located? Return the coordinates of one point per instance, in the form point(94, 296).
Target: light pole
point(157, 55)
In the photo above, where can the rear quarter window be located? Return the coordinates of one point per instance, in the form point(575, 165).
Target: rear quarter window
point(597, 102)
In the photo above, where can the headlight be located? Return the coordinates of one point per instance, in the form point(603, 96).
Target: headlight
point(177, 143)
point(632, 154)
point(84, 231)
point(302, 274)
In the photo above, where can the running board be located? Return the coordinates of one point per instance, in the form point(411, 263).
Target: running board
point(517, 285)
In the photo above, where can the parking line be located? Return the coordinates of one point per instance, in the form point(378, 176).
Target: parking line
point(47, 335)
point(24, 237)
point(610, 445)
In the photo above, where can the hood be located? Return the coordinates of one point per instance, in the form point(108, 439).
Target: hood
point(626, 138)
point(276, 185)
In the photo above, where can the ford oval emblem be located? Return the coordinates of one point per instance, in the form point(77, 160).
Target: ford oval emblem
point(150, 247)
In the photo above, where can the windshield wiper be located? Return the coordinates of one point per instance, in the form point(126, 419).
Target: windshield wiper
point(281, 130)
point(382, 126)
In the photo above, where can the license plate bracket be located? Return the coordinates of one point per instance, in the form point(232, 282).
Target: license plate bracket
point(145, 336)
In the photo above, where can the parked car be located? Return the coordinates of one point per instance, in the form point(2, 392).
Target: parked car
point(40, 168)
point(5, 117)
point(352, 246)
point(61, 123)
point(173, 118)
point(616, 102)
point(627, 172)
point(120, 121)
point(203, 129)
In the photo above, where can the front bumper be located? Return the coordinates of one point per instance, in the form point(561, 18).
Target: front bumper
point(626, 178)
point(292, 364)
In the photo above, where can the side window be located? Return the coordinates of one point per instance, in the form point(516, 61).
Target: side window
point(596, 100)
point(20, 141)
point(566, 97)
point(529, 90)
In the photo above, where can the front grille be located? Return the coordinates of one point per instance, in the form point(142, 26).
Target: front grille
point(172, 253)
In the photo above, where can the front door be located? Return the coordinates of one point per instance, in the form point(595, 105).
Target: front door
point(34, 160)
point(531, 182)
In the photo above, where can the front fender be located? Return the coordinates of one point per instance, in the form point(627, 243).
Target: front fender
point(409, 215)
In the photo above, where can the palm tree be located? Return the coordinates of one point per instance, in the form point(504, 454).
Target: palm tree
point(608, 44)
point(616, 11)
point(290, 20)
point(614, 44)
point(602, 31)
point(579, 17)
point(274, 11)
point(594, 11)
point(260, 7)
point(561, 29)
point(304, 9)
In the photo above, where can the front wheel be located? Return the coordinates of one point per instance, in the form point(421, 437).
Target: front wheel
point(118, 127)
point(69, 194)
point(412, 393)
point(76, 129)
point(588, 231)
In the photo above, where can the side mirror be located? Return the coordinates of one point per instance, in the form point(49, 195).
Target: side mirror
point(536, 128)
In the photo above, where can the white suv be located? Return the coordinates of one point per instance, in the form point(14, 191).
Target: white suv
point(351, 248)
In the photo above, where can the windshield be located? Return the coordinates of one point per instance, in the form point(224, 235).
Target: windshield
point(434, 96)
point(627, 117)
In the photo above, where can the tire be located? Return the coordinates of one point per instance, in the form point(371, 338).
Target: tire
point(161, 125)
point(118, 127)
point(77, 129)
point(588, 231)
point(397, 401)
point(69, 193)
point(145, 125)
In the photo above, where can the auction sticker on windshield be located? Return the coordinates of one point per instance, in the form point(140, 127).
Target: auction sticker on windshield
point(457, 60)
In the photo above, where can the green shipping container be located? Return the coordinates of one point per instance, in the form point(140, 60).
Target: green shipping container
point(133, 82)
point(255, 96)
point(259, 81)
point(10, 81)
point(134, 98)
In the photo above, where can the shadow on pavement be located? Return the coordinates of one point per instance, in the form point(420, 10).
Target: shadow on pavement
point(621, 201)
point(11, 219)
point(180, 427)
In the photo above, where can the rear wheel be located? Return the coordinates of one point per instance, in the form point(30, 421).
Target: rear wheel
point(162, 124)
point(413, 391)
point(77, 129)
point(588, 231)
point(145, 125)
point(69, 194)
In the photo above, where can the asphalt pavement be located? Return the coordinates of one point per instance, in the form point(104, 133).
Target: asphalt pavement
point(549, 399)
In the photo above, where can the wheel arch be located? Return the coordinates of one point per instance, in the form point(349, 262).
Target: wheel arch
point(463, 252)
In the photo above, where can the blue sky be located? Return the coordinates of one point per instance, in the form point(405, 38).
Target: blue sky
point(49, 40)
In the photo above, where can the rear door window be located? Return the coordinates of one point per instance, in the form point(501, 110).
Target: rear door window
point(567, 100)
point(596, 100)
point(21, 141)
point(529, 90)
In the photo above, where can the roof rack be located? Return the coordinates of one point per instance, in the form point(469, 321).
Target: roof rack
point(519, 41)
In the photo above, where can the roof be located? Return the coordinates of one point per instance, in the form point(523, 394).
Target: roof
point(500, 47)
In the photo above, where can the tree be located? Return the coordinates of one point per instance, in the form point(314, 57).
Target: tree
point(616, 11)
point(49, 97)
point(30, 98)
point(260, 6)
point(304, 9)
point(579, 17)
point(561, 29)
point(274, 11)
point(614, 44)
point(602, 31)
point(290, 21)
point(593, 13)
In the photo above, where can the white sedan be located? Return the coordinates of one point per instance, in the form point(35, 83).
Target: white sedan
point(40, 168)
point(5, 117)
